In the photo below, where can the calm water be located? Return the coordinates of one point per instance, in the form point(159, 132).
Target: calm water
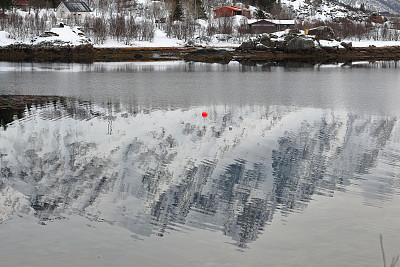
point(113, 164)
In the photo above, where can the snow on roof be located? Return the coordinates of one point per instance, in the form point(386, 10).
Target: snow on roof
point(274, 21)
point(239, 8)
point(282, 21)
point(77, 6)
point(236, 8)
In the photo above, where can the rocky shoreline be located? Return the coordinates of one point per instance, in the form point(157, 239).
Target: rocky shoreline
point(316, 45)
point(89, 54)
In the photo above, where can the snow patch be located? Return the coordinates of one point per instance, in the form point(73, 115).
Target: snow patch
point(5, 39)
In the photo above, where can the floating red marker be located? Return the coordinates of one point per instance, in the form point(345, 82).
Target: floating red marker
point(204, 114)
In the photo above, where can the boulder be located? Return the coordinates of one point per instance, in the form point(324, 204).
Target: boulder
point(322, 32)
point(209, 55)
point(266, 41)
point(248, 45)
point(261, 47)
point(348, 45)
point(280, 46)
point(289, 41)
point(299, 44)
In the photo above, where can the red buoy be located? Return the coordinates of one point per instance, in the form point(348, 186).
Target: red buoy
point(204, 114)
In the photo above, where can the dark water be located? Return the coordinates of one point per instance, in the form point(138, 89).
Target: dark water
point(113, 163)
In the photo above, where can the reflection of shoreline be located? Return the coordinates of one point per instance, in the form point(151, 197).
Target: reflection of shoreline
point(167, 66)
point(161, 85)
point(15, 107)
point(158, 169)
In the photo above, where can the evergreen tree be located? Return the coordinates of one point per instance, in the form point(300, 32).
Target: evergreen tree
point(55, 3)
point(178, 11)
point(5, 4)
point(362, 8)
point(266, 4)
point(260, 14)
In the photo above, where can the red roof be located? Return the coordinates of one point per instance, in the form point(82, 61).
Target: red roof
point(20, 2)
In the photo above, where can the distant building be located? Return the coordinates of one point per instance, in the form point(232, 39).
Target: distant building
point(72, 9)
point(384, 13)
point(23, 4)
point(230, 11)
point(269, 25)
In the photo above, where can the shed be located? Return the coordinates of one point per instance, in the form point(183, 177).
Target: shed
point(230, 11)
point(269, 25)
point(71, 9)
point(20, 3)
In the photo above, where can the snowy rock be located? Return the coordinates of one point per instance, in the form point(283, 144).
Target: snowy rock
point(261, 47)
point(65, 36)
point(292, 40)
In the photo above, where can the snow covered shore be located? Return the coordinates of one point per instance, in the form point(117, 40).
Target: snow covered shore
point(73, 36)
point(68, 44)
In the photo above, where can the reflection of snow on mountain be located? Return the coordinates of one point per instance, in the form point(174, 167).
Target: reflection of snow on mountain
point(151, 171)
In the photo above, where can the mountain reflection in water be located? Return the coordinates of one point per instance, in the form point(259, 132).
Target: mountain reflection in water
point(152, 171)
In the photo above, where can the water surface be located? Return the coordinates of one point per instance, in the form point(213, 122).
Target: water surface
point(112, 163)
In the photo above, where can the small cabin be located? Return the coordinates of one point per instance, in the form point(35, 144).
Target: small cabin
point(230, 11)
point(72, 9)
point(269, 25)
point(23, 4)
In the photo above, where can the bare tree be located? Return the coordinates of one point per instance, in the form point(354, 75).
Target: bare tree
point(225, 25)
point(117, 27)
point(99, 30)
point(146, 30)
point(131, 30)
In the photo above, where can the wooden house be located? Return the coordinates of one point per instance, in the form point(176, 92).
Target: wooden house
point(72, 9)
point(23, 4)
point(269, 25)
point(230, 11)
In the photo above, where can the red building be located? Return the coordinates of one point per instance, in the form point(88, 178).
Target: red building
point(230, 11)
point(20, 3)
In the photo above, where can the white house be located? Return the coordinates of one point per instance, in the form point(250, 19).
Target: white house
point(72, 9)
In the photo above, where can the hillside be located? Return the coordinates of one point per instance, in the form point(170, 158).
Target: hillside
point(392, 6)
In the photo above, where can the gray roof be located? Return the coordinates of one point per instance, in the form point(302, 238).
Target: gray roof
point(77, 7)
